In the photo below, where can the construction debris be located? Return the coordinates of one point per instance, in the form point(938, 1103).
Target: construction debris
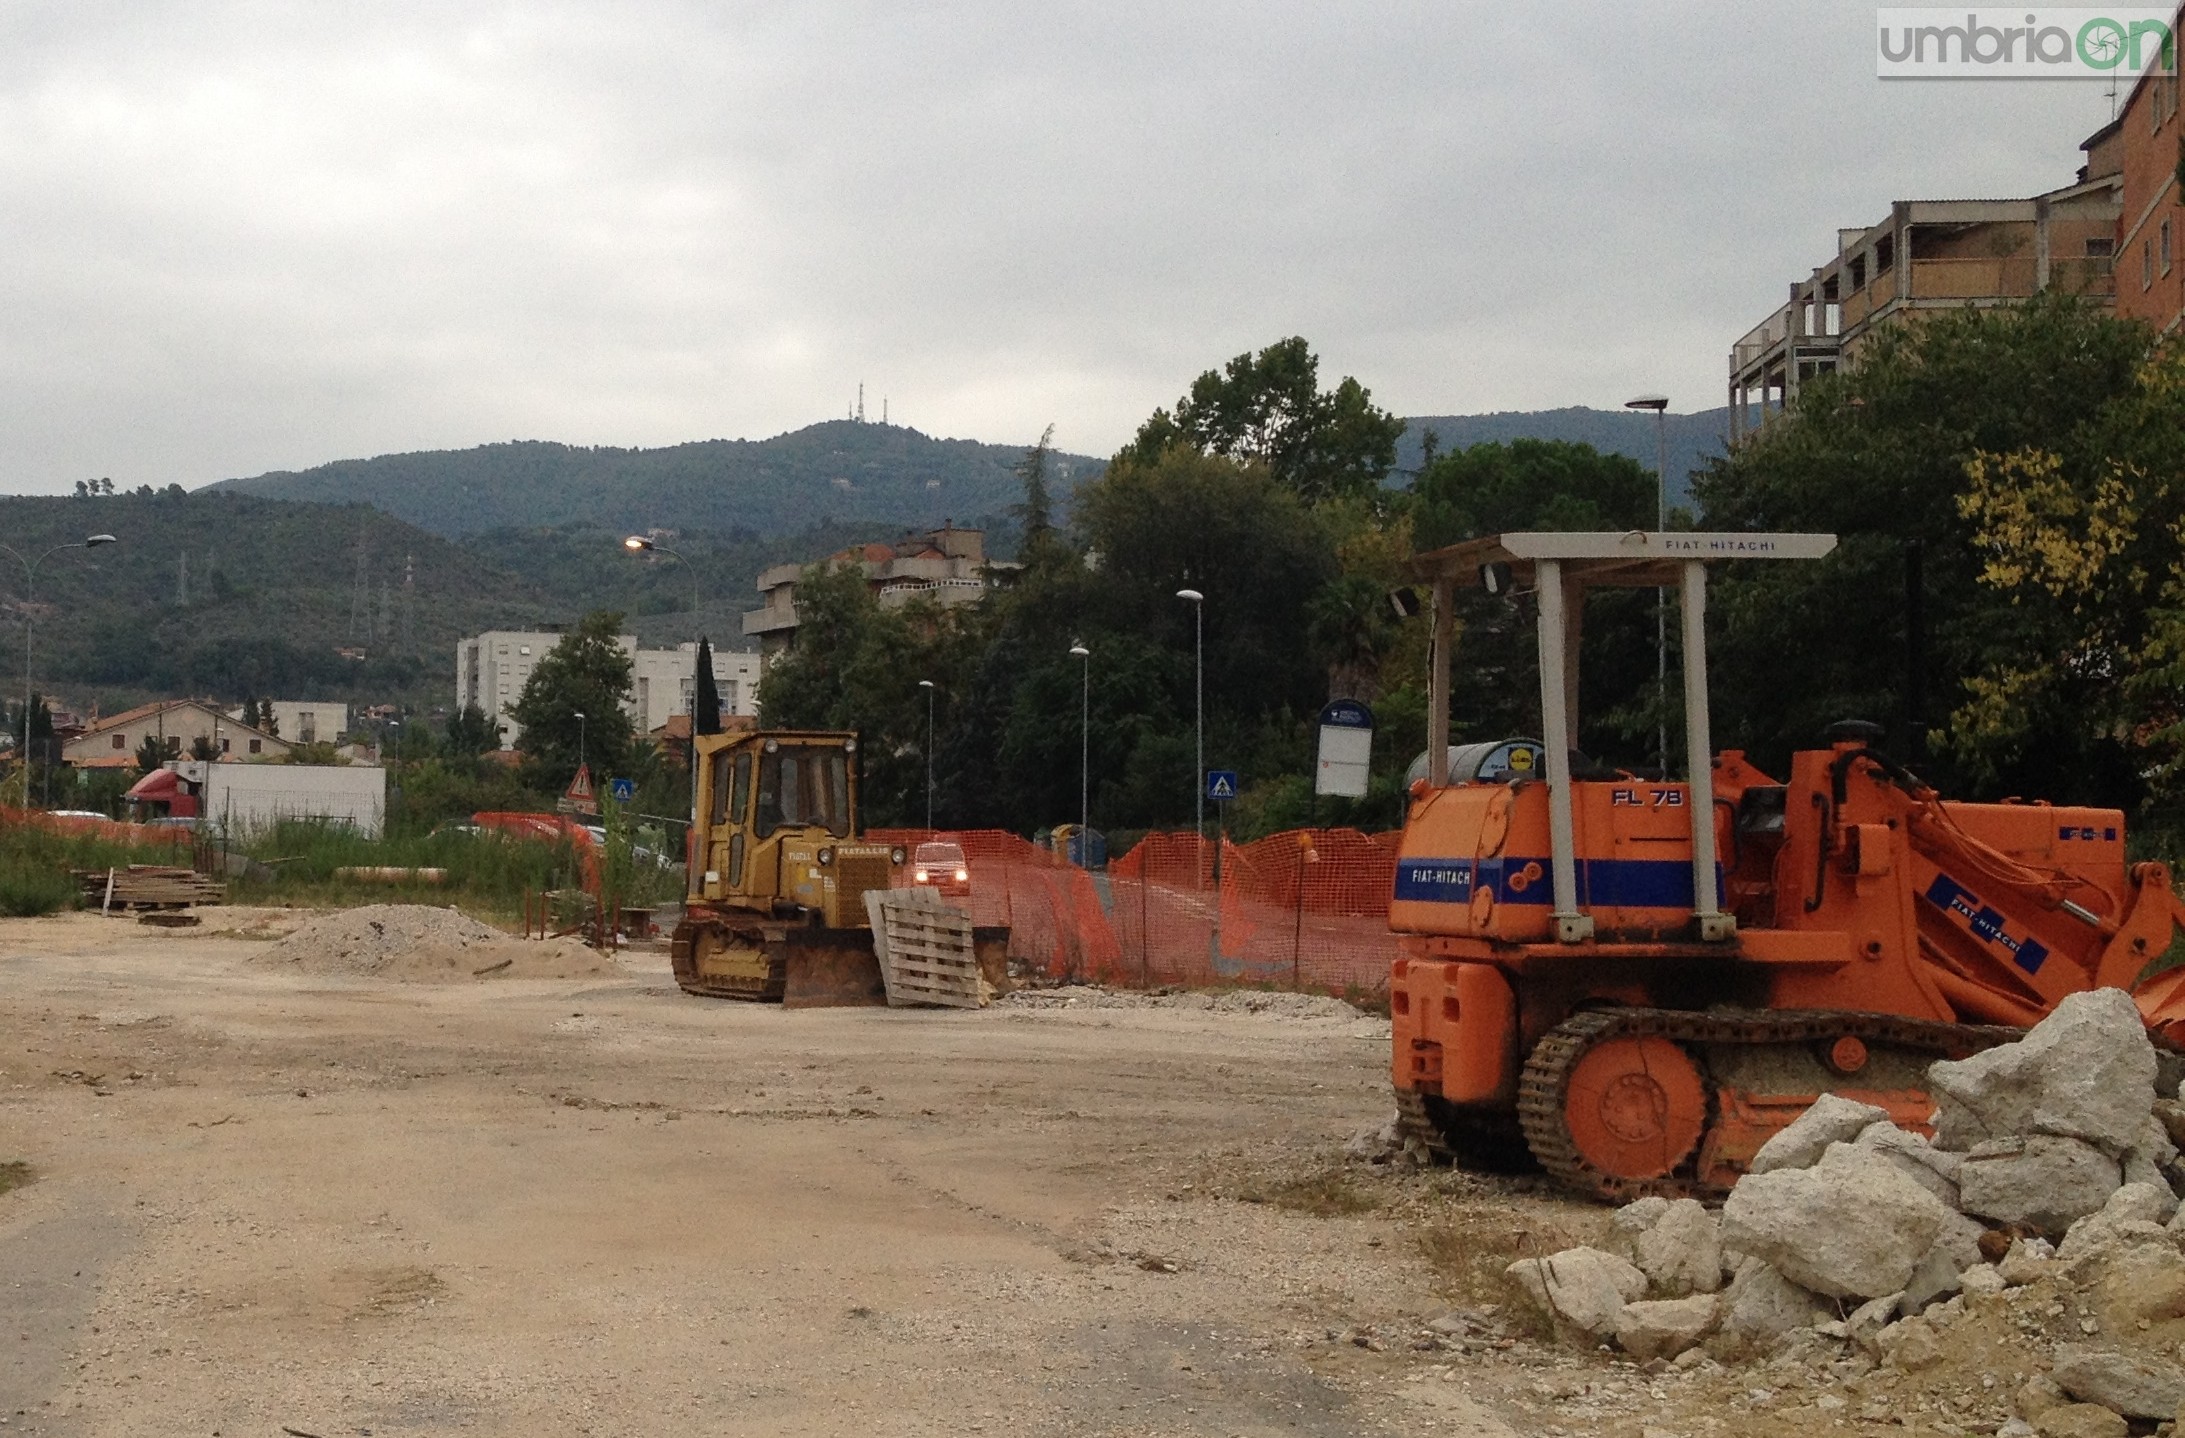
point(2042, 1221)
point(146, 886)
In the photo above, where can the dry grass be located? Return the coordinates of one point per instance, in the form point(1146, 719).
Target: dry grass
point(1329, 1193)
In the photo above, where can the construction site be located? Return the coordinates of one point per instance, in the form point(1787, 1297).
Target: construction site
point(1590, 1102)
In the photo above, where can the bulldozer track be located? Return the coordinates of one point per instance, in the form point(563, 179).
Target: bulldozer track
point(1543, 1084)
point(683, 959)
point(1413, 1122)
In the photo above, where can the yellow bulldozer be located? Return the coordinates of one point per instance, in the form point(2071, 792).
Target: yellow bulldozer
point(774, 907)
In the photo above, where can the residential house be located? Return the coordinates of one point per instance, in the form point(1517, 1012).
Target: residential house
point(947, 566)
point(177, 725)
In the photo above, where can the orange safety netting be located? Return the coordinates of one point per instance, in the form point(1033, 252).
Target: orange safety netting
point(1306, 909)
point(114, 831)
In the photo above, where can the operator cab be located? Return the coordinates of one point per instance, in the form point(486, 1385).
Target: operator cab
point(1488, 854)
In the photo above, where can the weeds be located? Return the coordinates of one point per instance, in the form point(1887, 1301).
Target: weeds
point(35, 860)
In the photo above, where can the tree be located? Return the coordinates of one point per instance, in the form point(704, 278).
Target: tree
point(1878, 455)
point(1528, 484)
point(2081, 537)
point(1230, 530)
point(705, 703)
point(856, 666)
point(471, 732)
point(1035, 513)
point(587, 673)
point(151, 753)
point(1270, 408)
point(266, 721)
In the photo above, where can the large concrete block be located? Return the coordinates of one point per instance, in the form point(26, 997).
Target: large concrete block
point(1829, 1119)
point(2087, 1071)
point(1852, 1226)
point(1582, 1287)
point(2047, 1183)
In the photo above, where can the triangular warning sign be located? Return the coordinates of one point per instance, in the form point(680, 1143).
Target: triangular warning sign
point(578, 797)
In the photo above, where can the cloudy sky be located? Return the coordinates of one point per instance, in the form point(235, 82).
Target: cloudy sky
point(246, 236)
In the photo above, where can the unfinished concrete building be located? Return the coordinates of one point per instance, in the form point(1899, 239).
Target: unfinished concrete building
point(1930, 255)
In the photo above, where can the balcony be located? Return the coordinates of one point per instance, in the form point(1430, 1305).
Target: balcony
point(771, 619)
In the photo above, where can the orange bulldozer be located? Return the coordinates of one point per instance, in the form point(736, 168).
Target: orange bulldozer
point(1641, 980)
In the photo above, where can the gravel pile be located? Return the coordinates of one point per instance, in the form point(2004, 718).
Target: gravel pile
point(1224, 1001)
point(2038, 1233)
point(418, 942)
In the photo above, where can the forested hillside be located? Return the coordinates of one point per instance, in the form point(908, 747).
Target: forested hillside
point(227, 595)
point(841, 470)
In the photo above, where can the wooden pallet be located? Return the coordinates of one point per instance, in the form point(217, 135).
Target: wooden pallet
point(147, 886)
point(925, 950)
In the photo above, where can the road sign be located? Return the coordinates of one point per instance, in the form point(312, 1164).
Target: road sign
point(579, 797)
point(624, 790)
point(1346, 750)
point(1221, 784)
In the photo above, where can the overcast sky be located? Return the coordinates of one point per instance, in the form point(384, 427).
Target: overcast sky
point(237, 237)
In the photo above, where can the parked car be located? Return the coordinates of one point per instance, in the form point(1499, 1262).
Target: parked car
point(943, 867)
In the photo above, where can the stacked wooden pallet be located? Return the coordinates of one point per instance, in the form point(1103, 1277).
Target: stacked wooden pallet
point(147, 886)
point(925, 950)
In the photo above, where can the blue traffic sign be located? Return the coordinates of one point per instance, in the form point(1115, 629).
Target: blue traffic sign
point(1346, 714)
point(624, 790)
point(1221, 784)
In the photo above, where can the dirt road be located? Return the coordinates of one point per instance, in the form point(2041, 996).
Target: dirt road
point(263, 1201)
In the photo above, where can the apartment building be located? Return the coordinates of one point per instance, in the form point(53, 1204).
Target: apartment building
point(492, 669)
point(947, 566)
point(2151, 227)
point(1930, 255)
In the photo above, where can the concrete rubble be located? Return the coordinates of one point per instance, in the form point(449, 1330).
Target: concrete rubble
point(2048, 1193)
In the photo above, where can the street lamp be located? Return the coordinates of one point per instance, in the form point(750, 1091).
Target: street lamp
point(1659, 403)
point(930, 688)
point(1198, 611)
point(30, 581)
point(639, 544)
point(580, 741)
point(1084, 760)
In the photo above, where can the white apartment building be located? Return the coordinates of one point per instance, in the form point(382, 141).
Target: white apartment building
point(492, 669)
point(663, 683)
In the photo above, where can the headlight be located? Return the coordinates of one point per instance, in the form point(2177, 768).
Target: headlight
point(963, 876)
point(919, 877)
point(827, 855)
point(849, 746)
point(896, 855)
point(773, 746)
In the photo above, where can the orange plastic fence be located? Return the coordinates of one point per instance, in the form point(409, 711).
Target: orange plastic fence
point(112, 830)
point(1306, 909)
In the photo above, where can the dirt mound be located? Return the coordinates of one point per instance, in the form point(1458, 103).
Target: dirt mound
point(1225, 1001)
point(418, 943)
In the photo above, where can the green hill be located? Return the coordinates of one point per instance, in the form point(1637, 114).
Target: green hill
point(842, 470)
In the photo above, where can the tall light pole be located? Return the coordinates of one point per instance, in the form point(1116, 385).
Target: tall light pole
point(580, 741)
point(1198, 624)
point(639, 544)
point(1659, 403)
point(30, 582)
point(1084, 760)
point(930, 688)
